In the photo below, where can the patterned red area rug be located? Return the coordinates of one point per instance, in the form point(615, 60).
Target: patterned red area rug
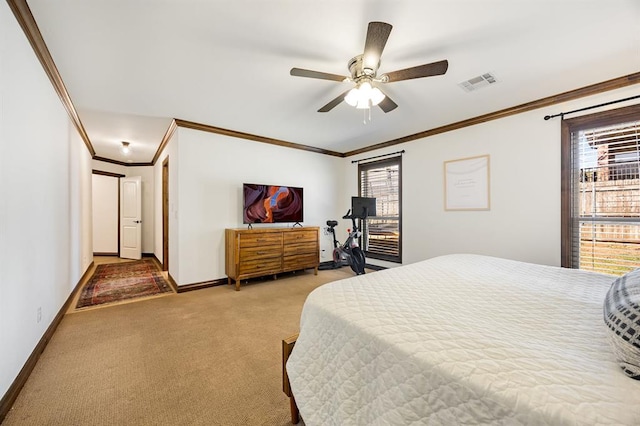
point(123, 281)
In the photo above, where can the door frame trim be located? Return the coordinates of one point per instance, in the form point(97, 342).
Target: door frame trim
point(165, 214)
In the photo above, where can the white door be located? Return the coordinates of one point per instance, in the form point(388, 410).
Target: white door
point(131, 217)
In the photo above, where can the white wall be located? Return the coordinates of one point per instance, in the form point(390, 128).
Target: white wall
point(210, 177)
point(81, 210)
point(524, 220)
point(105, 213)
point(44, 220)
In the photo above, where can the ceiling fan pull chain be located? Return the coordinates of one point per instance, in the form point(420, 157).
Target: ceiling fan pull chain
point(366, 111)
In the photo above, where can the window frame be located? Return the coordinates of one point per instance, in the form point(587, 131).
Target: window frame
point(569, 126)
point(396, 160)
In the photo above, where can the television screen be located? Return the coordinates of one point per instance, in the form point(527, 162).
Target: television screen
point(362, 205)
point(272, 204)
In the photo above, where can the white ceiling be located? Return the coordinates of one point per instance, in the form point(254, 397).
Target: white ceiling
point(130, 66)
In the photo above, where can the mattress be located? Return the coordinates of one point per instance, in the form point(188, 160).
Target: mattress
point(460, 339)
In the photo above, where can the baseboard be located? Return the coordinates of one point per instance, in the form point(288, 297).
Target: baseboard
point(173, 283)
point(199, 286)
point(158, 263)
point(195, 286)
point(101, 253)
point(14, 390)
point(154, 258)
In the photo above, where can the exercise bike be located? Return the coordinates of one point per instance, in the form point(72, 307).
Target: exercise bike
point(348, 253)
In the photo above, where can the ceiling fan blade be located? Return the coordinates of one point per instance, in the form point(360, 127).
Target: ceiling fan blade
point(387, 104)
point(331, 105)
point(427, 70)
point(377, 35)
point(299, 72)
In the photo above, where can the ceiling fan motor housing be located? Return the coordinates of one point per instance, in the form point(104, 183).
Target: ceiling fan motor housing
point(358, 72)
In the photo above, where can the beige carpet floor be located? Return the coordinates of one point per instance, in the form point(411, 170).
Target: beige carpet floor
point(206, 357)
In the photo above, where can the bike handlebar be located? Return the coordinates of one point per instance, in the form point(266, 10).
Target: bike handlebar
point(353, 220)
point(350, 216)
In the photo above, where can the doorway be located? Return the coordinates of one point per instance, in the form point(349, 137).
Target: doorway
point(106, 213)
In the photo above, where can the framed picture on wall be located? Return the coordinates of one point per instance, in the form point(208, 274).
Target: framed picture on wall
point(466, 184)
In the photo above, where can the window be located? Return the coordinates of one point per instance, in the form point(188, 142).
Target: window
point(601, 191)
point(381, 235)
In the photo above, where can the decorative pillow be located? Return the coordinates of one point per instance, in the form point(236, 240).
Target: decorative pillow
point(622, 316)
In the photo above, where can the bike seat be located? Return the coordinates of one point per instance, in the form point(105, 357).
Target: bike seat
point(332, 223)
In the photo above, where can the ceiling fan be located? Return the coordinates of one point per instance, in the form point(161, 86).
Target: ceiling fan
point(364, 73)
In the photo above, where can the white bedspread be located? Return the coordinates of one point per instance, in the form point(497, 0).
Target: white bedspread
point(460, 339)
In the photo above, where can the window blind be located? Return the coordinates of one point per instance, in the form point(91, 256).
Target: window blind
point(382, 233)
point(606, 198)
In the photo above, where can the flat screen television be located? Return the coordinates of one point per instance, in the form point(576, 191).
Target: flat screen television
point(272, 204)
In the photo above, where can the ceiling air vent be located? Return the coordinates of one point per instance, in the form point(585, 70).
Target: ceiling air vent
point(478, 82)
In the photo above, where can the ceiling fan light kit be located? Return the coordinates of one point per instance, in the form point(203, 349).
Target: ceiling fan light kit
point(364, 95)
point(364, 73)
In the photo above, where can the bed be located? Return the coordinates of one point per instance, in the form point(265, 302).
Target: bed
point(460, 339)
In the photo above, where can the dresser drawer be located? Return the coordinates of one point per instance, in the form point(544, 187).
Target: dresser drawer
point(300, 236)
point(300, 261)
point(261, 266)
point(260, 252)
point(260, 239)
point(300, 248)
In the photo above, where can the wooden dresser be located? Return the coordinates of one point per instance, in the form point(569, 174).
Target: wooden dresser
point(253, 253)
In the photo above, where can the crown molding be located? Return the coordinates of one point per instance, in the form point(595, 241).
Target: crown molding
point(593, 89)
point(256, 138)
point(590, 90)
point(165, 140)
point(30, 28)
point(103, 173)
point(120, 163)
